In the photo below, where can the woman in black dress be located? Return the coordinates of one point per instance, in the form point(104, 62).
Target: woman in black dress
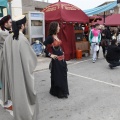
point(59, 84)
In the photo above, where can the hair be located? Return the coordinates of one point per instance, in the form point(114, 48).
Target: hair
point(53, 28)
point(108, 28)
point(3, 21)
point(118, 31)
point(0, 23)
point(96, 25)
point(16, 29)
point(113, 42)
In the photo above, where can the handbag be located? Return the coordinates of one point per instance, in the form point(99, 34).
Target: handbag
point(103, 42)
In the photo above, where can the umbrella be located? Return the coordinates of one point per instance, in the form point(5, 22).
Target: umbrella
point(65, 12)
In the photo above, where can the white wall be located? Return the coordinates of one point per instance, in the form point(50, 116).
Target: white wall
point(16, 7)
point(42, 0)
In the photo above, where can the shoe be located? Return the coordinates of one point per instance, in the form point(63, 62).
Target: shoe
point(93, 61)
point(111, 67)
point(8, 105)
point(9, 108)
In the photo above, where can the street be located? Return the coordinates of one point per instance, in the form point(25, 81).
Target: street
point(94, 93)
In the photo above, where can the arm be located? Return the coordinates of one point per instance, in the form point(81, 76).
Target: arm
point(99, 38)
point(4, 35)
point(47, 43)
point(90, 36)
point(48, 49)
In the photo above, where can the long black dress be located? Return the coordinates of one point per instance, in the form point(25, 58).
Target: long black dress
point(59, 84)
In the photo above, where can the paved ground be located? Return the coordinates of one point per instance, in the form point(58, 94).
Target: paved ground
point(94, 92)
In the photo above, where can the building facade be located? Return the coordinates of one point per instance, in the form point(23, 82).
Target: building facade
point(23, 6)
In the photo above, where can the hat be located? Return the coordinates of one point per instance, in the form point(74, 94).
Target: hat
point(20, 19)
point(5, 20)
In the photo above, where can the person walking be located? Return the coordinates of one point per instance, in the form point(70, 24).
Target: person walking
point(5, 30)
point(95, 39)
point(59, 83)
point(108, 35)
point(20, 62)
point(118, 37)
point(104, 42)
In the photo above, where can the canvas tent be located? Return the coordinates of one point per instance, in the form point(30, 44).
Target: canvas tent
point(66, 14)
point(112, 20)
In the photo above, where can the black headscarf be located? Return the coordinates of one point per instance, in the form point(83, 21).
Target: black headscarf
point(17, 26)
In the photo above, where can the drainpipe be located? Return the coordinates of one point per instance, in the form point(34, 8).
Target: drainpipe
point(118, 4)
point(10, 7)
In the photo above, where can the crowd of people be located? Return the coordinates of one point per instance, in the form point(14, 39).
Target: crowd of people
point(18, 61)
point(109, 40)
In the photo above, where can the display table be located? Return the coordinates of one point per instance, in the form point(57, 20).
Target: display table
point(82, 43)
point(84, 46)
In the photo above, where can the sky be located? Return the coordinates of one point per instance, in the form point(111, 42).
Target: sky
point(82, 4)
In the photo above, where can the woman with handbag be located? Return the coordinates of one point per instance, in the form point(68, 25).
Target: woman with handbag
point(59, 83)
point(104, 43)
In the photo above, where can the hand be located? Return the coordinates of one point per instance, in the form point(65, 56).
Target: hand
point(53, 56)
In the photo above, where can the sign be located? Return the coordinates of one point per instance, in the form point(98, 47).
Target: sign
point(36, 16)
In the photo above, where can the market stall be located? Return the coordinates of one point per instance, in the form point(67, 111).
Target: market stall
point(67, 15)
point(113, 20)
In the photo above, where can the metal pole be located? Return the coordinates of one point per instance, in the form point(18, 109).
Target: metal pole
point(104, 18)
point(118, 1)
point(10, 9)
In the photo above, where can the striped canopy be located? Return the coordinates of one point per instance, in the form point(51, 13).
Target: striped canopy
point(101, 9)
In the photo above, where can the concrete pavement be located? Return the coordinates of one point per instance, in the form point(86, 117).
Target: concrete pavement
point(94, 92)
